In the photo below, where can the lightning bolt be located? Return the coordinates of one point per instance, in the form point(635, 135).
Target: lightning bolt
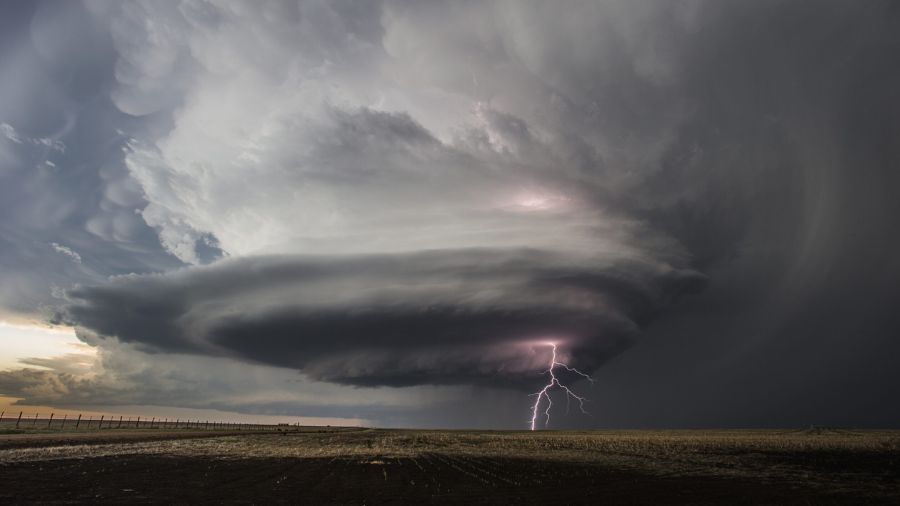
point(544, 393)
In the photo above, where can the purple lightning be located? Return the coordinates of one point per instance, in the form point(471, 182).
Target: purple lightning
point(543, 394)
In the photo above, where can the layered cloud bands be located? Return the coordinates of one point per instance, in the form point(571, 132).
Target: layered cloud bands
point(434, 317)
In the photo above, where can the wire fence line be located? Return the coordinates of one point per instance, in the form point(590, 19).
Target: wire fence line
point(24, 420)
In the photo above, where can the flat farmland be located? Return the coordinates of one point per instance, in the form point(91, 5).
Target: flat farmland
point(375, 466)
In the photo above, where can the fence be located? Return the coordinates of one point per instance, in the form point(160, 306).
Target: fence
point(80, 422)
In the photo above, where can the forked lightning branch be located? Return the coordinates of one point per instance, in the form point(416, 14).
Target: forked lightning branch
point(544, 394)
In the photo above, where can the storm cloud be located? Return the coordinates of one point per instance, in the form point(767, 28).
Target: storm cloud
point(415, 246)
point(400, 194)
point(426, 318)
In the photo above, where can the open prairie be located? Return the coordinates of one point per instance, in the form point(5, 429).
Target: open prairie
point(312, 465)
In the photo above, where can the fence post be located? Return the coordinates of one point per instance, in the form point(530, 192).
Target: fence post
point(120, 422)
point(100, 425)
point(137, 424)
point(18, 419)
point(1, 416)
point(207, 425)
point(34, 420)
point(79, 421)
point(63, 426)
point(50, 421)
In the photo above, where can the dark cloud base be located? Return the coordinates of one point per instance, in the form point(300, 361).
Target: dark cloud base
point(426, 318)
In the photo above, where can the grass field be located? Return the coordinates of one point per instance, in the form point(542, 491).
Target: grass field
point(315, 465)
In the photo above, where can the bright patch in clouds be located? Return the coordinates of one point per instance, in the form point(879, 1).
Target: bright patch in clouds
point(26, 342)
point(541, 201)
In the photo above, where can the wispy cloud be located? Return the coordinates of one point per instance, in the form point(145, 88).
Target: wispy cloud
point(65, 250)
point(13, 135)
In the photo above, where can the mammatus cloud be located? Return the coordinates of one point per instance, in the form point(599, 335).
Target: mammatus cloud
point(61, 176)
point(348, 138)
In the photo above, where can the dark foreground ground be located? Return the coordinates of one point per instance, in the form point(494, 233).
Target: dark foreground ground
point(369, 466)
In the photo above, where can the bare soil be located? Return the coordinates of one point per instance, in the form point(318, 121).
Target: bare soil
point(370, 466)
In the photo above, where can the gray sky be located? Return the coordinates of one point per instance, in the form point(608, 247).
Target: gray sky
point(385, 211)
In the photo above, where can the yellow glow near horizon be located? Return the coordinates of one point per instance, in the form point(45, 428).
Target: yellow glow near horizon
point(22, 341)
